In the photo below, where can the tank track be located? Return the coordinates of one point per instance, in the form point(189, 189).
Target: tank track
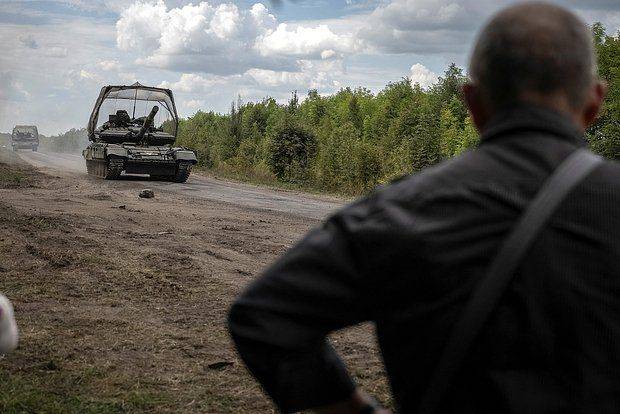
point(110, 170)
point(183, 171)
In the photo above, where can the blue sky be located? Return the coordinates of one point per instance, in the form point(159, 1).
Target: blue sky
point(57, 54)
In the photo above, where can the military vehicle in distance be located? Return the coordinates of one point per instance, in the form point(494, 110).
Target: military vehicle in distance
point(25, 137)
point(136, 145)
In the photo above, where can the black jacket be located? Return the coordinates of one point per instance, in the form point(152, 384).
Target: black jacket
point(408, 256)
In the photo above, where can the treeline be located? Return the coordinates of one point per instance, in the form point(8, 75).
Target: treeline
point(347, 142)
point(72, 141)
point(353, 140)
point(604, 135)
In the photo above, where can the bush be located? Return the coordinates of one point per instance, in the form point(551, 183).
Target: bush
point(290, 152)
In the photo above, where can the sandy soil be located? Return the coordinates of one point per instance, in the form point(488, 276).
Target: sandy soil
point(121, 301)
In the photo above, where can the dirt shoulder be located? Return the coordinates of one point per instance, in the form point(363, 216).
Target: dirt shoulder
point(121, 301)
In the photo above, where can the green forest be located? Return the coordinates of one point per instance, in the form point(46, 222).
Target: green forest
point(353, 140)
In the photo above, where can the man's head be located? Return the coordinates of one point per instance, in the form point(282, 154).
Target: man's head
point(534, 53)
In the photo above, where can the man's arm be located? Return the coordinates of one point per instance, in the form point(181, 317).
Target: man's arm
point(280, 322)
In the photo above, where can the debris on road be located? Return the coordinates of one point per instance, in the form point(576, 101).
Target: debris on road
point(100, 196)
point(220, 365)
point(147, 193)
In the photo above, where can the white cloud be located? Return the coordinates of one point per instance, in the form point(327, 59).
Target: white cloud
point(448, 26)
point(423, 26)
point(329, 54)
point(311, 76)
point(128, 77)
point(191, 82)
point(109, 65)
point(306, 42)
point(194, 104)
point(265, 77)
point(422, 76)
point(214, 39)
point(11, 89)
point(222, 39)
point(84, 74)
point(56, 52)
point(140, 26)
point(28, 41)
point(321, 75)
point(424, 14)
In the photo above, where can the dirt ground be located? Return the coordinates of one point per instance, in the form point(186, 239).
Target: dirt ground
point(121, 301)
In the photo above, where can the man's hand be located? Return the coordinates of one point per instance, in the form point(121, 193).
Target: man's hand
point(359, 403)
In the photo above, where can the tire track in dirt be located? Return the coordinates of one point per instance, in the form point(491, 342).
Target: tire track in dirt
point(246, 195)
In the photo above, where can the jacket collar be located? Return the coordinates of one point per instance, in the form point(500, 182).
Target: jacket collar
point(532, 118)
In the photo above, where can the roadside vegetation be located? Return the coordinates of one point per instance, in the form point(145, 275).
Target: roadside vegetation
point(604, 136)
point(348, 142)
point(12, 173)
point(72, 141)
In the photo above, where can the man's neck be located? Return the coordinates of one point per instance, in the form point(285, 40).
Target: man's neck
point(568, 115)
point(557, 103)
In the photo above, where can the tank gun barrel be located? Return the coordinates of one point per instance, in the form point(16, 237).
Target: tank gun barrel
point(147, 122)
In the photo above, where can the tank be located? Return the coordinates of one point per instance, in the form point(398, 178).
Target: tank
point(25, 137)
point(142, 143)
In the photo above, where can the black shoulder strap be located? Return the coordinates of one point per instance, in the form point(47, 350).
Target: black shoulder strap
point(499, 274)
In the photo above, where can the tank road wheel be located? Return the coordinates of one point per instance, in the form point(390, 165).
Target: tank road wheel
point(109, 170)
point(184, 168)
point(94, 168)
point(113, 169)
point(90, 169)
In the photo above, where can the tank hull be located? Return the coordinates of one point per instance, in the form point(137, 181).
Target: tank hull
point(29, 144)
point(110, 161)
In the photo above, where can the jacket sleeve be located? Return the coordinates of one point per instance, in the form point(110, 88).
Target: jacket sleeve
point(280, 323)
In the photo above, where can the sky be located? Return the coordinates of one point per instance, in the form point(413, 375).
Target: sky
point(57, 54)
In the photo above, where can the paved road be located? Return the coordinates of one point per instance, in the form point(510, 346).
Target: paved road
point(306, 205)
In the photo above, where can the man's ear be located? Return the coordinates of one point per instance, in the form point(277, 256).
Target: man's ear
point(594, 103)
point(476, 106)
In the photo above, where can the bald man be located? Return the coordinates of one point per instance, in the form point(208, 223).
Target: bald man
point(410, 256)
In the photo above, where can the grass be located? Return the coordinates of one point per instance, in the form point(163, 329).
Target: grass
point(11, 178)
point(12, 173)
point(268, 180)
point(52, 391)
point(42, 223)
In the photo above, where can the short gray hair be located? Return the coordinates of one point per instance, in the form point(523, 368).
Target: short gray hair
point(533, 47)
